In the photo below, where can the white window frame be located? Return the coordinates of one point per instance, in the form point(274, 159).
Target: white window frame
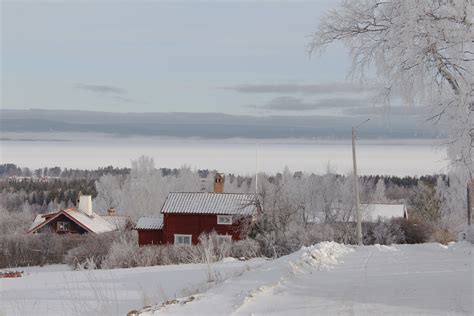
point(224, 219)
point(62, 226)
point(224, 238)
point(177, 236)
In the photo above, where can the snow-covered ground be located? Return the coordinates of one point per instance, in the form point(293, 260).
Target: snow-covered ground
point(55, 290)
point(428, 279)
point(325, 279)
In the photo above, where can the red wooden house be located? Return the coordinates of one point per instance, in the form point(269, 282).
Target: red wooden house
point(186, 215)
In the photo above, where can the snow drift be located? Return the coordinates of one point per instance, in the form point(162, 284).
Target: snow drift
point(321, 256)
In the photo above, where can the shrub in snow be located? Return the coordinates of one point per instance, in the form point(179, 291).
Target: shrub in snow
point(179, 254)
point(94, 248)
point(122, 253)
point(345, 233)
point(31, 250)
point(277, 240)
point(209, 249)
point(14, 222)
point(246, 248)
point(384, 233)
point(415, 231)
point(149, 256)
point(442, 236)
point(318, 233)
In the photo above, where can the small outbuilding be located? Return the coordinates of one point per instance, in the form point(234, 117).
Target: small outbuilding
point(150, 230)
point(372, 212)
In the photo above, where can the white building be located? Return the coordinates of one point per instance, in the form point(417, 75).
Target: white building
point(372, 212)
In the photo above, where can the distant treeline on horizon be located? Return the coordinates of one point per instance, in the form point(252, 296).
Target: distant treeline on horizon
point(45, 189)
point(11, 170)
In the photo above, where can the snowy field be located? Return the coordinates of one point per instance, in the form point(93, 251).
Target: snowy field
point(55, 290)
point(394, 157)
point(326, 279)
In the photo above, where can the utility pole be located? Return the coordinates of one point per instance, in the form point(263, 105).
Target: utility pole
point(256, 169)
point(256, 158)
point(356, 188)
point(470, 202)
point(356, 184)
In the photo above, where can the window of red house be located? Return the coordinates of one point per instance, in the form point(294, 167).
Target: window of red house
point(224, 220)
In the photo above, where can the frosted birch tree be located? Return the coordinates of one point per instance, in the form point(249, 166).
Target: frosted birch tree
point(144, 190)
point(422, 52)
point(379, 193)
point(109, 193)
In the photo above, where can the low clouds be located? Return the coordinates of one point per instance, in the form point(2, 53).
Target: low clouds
point(324, 88)
point(103, 89)
point(288, 103)
point(355, 106)
point(112, 92)
point(337, 95)
point(398, 110)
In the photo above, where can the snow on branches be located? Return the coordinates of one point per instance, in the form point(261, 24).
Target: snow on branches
point(422, 52)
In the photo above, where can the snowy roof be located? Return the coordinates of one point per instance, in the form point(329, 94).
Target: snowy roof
point(95, 223)
point(385, 211)
point(120, 222)
point(38, 220)
point(149, 223)
point(209, 203)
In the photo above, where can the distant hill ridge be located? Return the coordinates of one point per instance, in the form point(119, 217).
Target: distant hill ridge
point(212, 125)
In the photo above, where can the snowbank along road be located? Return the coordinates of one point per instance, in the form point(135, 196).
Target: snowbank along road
point(331, 279)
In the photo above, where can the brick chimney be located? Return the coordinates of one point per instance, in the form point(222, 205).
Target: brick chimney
point(219, 183)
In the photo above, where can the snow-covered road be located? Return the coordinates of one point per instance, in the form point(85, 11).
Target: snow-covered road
point(428, 279)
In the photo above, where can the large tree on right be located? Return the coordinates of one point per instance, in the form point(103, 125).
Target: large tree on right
point(422, 52)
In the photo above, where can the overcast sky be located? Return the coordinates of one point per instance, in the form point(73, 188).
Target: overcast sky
point(184, 56)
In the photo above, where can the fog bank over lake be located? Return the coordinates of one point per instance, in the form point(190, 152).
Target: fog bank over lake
point(89, 151)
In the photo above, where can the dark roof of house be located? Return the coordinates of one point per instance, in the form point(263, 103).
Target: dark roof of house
point(209, 203)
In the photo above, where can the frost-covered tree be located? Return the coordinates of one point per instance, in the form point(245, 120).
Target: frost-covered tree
point(422, 51)
point(452, 197)
point(144, 191)
point(187, 180)
point(329, 197)
point(425, 204)
point(379, 193)
point(109, 193)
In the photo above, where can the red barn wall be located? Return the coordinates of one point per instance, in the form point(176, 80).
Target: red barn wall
point(196, 224)
point(150, 237)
